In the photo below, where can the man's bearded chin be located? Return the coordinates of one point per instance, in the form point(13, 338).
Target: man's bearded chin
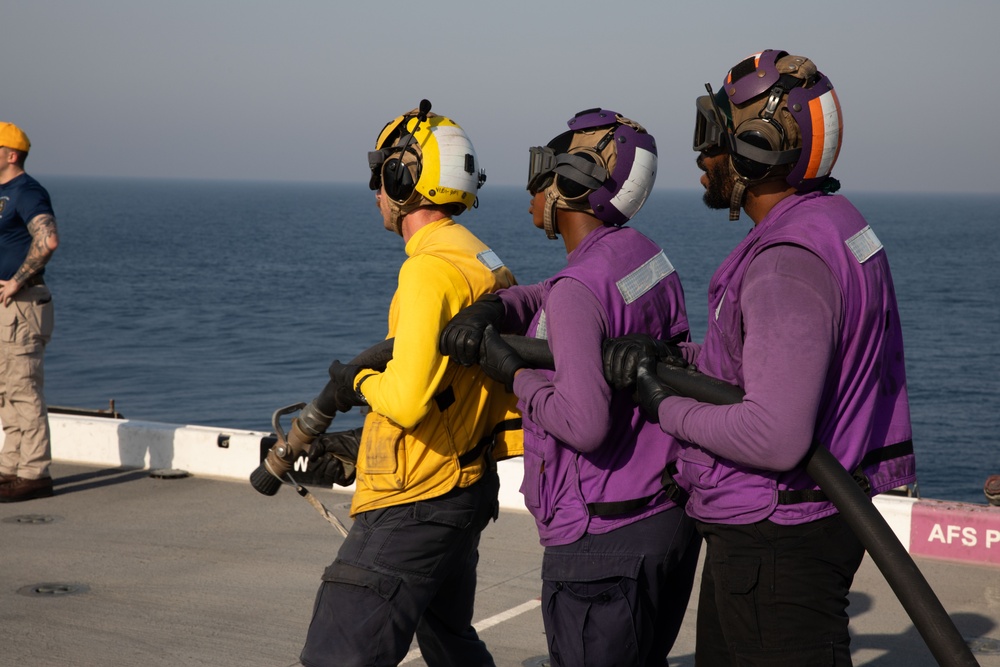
point(720, 185)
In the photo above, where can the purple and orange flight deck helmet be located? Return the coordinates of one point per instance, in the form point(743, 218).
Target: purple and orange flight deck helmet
point(605, 164)
point(777, 116)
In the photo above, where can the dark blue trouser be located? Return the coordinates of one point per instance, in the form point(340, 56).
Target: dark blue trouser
point(618, 599)
point(404, 570)
point(776, 595)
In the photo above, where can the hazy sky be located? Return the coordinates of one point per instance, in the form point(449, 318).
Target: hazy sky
point(299, 89)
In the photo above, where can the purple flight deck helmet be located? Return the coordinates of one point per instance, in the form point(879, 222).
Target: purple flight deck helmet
point(604, 165)
point(773, 110)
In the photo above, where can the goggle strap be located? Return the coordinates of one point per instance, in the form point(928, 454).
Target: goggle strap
point(588, 174)
point(758, 154)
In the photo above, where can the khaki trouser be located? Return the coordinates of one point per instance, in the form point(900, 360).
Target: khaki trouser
point(25, 329)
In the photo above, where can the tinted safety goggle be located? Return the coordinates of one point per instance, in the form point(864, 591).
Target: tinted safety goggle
point(575, 174)
point(541, 168)
point(581, 170)
point(710, 126)
point(707, 131)
point(375, 161)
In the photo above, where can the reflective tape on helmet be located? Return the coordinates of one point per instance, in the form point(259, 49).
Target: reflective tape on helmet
point(826, 134)
point(632, 195)
point(453, 145)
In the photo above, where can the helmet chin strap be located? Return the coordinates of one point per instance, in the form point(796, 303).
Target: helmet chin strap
point(398, 211)
point(549, 213)
point(396, 218)
point(740, 184)
point(739, 194)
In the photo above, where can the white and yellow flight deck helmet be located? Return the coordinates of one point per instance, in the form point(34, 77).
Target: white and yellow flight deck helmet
point(423, 159)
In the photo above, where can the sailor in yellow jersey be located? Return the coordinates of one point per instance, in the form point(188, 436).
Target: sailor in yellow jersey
point(426, 482)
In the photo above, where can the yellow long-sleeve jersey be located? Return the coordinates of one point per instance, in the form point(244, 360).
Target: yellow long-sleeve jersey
point(427, 412)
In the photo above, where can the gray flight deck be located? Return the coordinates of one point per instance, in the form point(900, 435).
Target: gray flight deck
point(121, 568)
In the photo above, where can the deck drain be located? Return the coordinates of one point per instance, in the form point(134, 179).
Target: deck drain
point(48, 590)
point(984, 645)
point(169, 473)
point(31, 519)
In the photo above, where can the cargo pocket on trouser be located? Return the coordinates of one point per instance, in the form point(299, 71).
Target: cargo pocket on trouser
point(39, 316)
point(28, 320)
point(8, 332)
point(737, 579)
point(589, 602)
point(739, 583)
point(9, 317)
point(25, 328)
point(352, 622)
point(434, 532)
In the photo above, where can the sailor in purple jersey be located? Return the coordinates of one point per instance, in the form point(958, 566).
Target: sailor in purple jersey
point(803, 317)
point(620, 553)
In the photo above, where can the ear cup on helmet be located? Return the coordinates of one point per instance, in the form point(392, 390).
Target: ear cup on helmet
point(569, 188)
point(762, 133)
point(398, 179)
point(569, 179)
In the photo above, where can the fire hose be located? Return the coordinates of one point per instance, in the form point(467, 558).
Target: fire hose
point(897, 566)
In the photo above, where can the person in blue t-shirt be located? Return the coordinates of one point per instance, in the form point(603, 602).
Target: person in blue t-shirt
point(28, 237)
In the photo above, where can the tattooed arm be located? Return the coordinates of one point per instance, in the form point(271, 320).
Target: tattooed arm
point(44, 241)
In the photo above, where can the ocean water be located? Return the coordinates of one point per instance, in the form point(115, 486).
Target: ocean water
point(217, 303)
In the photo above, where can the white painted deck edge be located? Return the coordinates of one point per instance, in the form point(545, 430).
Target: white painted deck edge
point(199, 451)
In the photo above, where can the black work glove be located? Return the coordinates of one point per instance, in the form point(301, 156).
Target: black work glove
point(622, 356)
point(332, 459)
point(650, 390)
point(499, 360)
point(345, 396)
point(463, 335)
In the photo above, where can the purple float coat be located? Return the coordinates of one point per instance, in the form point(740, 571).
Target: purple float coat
point(803, 316)
point(584, 443)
